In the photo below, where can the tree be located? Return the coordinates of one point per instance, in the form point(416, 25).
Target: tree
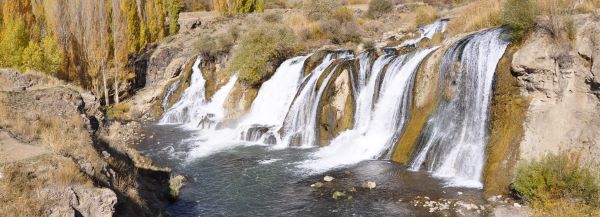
point(173, 8)
point(233, 7)
point(13, 40)
point(54, 55)
point(33, 57)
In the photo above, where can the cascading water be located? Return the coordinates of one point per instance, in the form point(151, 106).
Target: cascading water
point(186, 110)
point(427, 31)
point(193, 110)
point(371, 137)
point(300, 122)
point(453, 142)
point(265, 115)
point(165, 103)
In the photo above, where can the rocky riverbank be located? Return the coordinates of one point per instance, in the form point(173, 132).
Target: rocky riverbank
point(60, 157)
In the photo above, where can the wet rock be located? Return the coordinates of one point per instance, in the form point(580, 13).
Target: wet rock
point(337, 110)
point(175, 184)
point(317, 185)
point(328, 178)
point(369, 185)
point(339, 195)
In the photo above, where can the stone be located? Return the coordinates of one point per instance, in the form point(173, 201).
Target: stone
point(369, 185)
point(317, 185)
point(517, 205)
point(338, 195)
point(328, 178)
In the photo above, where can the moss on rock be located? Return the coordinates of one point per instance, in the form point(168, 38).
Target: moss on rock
point(507, 112)
point(336, 105)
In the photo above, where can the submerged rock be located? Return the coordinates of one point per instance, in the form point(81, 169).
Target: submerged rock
point(339, 195)
point(328, 178)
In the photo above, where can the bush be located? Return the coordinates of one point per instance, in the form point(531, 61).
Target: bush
point(519, 16)
point(272, 17)
point(233, 7)
point(260, 48)
point(425, 15)
point(320, 9)
point(476, 16)
point(556, 178)
point(377, 8)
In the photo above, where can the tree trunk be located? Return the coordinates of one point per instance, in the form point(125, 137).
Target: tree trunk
point(105, 82)
point(116, 86)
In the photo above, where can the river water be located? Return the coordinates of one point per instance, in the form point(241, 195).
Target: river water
point(260, 181)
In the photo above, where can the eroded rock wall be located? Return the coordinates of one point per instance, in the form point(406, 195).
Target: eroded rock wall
point(561, 80)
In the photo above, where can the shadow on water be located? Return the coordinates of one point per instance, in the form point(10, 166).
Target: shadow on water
point(258, 181)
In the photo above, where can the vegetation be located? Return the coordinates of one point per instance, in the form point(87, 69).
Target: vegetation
point(555, 181)
point(260, 51)
point(508, 107)
point(233, 7)
point(90, 50)
point(379, 7)
point(475, 16)
point(519, 16)
point(174, 7)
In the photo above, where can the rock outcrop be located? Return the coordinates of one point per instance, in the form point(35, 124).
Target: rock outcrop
point(337, 104)
point(561, 80)
point(83, 170)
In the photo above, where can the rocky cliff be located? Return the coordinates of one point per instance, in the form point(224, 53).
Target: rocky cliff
point(560, 78)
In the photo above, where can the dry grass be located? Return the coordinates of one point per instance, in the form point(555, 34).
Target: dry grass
point(476, 15)
point(425, 14)
point(119, 111)
point(588, 6)
point(69, 174)
point(17, 191)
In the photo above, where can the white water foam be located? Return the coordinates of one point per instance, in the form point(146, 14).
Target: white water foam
point(370, 138)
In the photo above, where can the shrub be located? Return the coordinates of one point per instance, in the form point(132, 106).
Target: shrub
point(260, 48)
point(320, 9)
point(425, 15)
point(211, 46)
point(475, 16)
point(519, 16)
point(233, 7)
point(118, 112)
point(554, 178)
point(272, 17)
point(377, 8)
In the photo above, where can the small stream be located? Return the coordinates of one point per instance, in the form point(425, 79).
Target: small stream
point(260, 181)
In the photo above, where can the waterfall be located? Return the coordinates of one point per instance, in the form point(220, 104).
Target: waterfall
point(281, 88)
point(453, 142)
point(265, 116)
point(427, 31)
point(300, 122)
point(371, 137)
point(187, 108)
point(193, 110)
point(165, 102)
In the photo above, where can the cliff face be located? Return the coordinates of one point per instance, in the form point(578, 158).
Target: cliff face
point(561, 81)
point(78, 167)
